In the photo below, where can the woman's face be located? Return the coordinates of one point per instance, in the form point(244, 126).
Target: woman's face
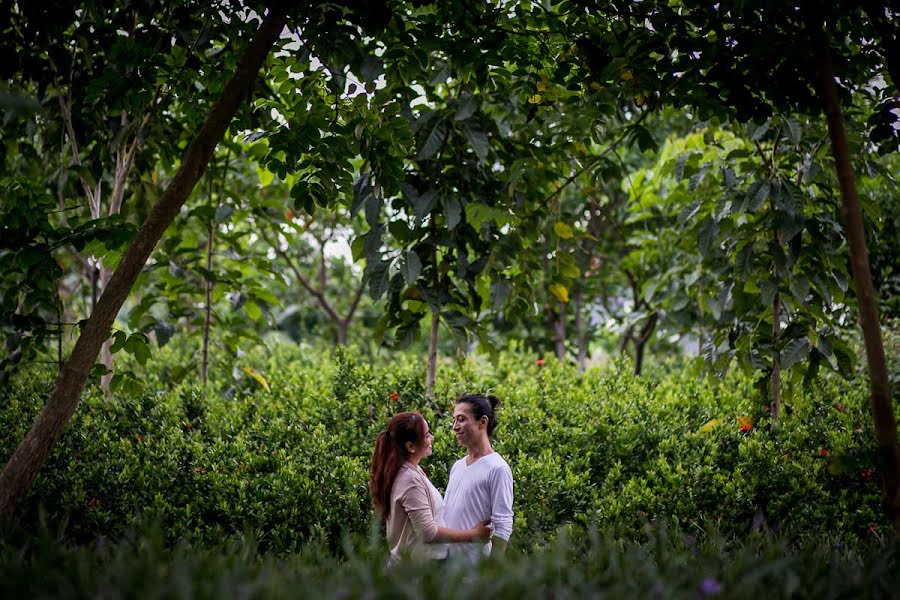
point(423, 449)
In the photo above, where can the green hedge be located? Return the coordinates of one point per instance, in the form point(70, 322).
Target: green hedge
point(291, 464)
point(655, 563)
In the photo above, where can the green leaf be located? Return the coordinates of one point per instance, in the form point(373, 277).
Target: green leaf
point(643, 138)
point(796, 351)
point(467, 107)
point(357, 247)
point(756, 196)
point(760, 131)
point(689, 212)
point(679, 165)
point(252, 309)
point(707, 236)
point(793, 130)
point(411, 267)
point(499, 293)
point(424, 204)
point(767, 291)
point(563, 230)
point(120, 338)
point(479, 142)
point(433, 141)
point(452, 211)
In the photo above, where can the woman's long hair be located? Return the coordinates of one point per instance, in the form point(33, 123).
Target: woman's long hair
point(389, 456)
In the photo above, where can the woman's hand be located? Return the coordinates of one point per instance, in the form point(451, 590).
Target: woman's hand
point(482, 532)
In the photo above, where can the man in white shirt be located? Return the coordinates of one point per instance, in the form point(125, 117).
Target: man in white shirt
point(481, 484)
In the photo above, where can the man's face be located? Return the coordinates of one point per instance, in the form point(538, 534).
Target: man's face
point(465, 426)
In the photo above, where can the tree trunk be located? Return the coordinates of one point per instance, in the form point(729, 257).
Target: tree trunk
point(580, 329)
point(640, 343)
point(342, 326)
point(776, 358)
point(38, 444)
point(432, 354)
point(879, 384)
point(207, 320)
point(559, 332)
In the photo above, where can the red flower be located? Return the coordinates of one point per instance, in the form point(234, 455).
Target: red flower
point(866, 474)
point(746, 423)
point(393, 396)
point(872, 529)
point(539, 362)
point(823, 452)
point(199, 470)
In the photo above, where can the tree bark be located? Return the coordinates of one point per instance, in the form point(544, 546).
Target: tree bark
point(38, 444)
point(432, 354)
point(207, 319)
point(776, 358)
point(559, 331)
point(640, 342)
point(879, 383)
point(580, 329)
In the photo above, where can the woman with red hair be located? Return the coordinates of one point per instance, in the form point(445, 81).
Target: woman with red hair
point(405, 498)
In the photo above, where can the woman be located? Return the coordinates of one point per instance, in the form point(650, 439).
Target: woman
point(405, 499)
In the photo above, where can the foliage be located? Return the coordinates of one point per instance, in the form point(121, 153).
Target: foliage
point(607, 448)
point(658, 562)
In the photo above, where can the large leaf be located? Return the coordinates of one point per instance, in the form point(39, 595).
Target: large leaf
point(796, 351)
point(433, 141)
point(411, 267)
point(467, 107)
point(424, 204)
point(452, 211)
point(479, 142)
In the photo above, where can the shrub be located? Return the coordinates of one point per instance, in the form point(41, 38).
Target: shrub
point(604, 449)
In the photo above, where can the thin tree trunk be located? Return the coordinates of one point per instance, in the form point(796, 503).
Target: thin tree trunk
point(342, 326)
point(207, 320)
point(559, 331)
point(776, 358)
point(580, 329)
point(640, 343)
point(432, 353)
point(881, 403)
point(38, 444)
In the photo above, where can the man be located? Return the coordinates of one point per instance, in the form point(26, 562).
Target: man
point(481, 485)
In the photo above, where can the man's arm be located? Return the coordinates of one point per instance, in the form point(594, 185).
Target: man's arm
point(501, 509)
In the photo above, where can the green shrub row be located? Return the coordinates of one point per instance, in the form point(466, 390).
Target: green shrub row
point(290, 463)
point(655, 563)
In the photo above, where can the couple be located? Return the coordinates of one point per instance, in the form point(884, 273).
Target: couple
point(476, 514)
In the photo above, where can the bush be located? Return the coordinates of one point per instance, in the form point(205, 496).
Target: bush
point(656, 563)
point(604, 449)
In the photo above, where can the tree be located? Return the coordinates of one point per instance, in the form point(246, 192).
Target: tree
point(38, 443)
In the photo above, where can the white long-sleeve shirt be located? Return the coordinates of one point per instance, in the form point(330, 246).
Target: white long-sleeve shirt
point(476, 493)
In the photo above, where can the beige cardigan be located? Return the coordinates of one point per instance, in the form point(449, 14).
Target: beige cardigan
point(412, 522)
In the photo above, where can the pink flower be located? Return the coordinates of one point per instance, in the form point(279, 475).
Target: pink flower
point(393, 396)
point(539, 362)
